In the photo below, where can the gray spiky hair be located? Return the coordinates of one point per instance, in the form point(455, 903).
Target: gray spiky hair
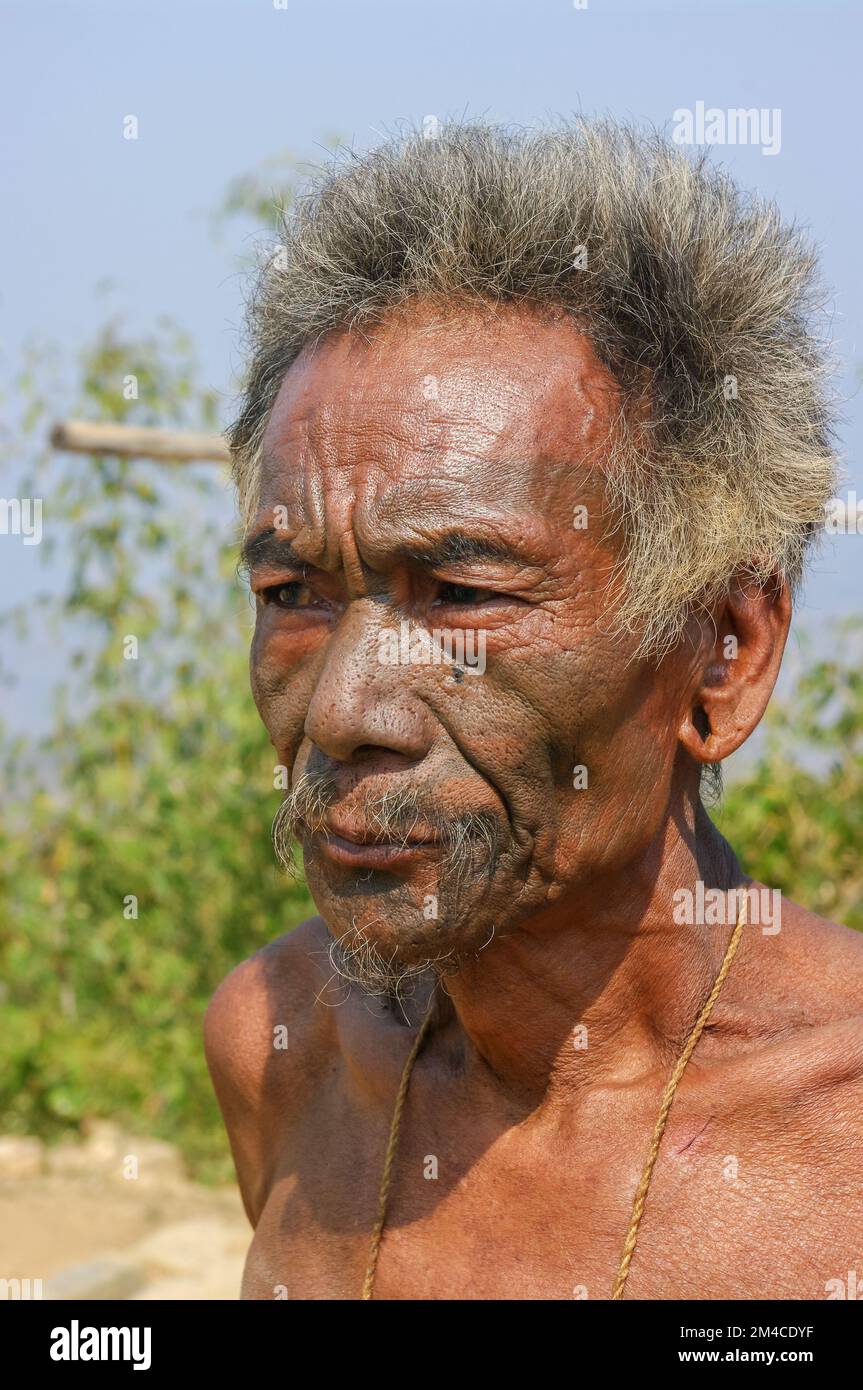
point(698, 298)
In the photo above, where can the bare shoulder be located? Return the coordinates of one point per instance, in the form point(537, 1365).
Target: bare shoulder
point(803, 990)
point(827, 960)
point(268, 1033)
point(279, 984)
point(818, 966)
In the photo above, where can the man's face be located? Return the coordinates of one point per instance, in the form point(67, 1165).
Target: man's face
point(446, 474)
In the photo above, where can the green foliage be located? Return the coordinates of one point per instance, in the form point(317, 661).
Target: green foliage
point(796, 819)
point(268, 191)
point(156, 782)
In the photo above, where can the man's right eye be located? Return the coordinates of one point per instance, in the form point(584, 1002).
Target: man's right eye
point(292, 595)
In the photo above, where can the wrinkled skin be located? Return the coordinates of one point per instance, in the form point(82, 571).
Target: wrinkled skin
point(520, 1152)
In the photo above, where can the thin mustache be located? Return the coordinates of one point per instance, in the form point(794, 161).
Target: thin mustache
point(392, 817)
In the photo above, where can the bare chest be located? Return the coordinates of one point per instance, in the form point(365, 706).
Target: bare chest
point(541, 1211)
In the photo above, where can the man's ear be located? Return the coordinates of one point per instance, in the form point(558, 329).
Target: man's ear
point(741, 650)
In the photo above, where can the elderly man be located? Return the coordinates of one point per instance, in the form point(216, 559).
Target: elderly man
point(532, 450)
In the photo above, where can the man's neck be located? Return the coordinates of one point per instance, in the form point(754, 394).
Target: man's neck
point(605, 985)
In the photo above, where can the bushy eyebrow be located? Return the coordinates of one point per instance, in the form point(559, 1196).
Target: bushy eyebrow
point(453, 548)
point(457, 548)
point(269, 547)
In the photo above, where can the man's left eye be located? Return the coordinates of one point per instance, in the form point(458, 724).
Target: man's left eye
point(463, 595)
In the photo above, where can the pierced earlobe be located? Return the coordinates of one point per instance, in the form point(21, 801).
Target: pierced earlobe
point(700, 722)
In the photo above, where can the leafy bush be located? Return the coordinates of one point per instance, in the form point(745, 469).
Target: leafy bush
point(156, 782)
point(796, 818)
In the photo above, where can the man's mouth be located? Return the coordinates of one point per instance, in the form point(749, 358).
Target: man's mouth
point(363, 847)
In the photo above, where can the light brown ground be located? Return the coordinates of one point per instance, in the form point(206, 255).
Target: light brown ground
point(167, 1236)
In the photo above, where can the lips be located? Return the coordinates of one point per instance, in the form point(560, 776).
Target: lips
point(359, 846)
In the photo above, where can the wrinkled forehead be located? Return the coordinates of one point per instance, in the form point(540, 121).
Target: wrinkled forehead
point(426, 417)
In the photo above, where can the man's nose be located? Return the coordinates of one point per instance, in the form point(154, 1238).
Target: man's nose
point(362, 702)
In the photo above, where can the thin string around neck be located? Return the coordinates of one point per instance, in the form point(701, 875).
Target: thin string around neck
point(641, 1192)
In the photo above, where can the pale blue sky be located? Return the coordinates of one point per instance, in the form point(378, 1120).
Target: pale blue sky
point(219, 86)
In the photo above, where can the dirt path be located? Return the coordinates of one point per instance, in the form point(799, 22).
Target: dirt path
point(87, 1232)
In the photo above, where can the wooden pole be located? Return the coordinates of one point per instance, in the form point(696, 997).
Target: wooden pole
point(139, 441)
